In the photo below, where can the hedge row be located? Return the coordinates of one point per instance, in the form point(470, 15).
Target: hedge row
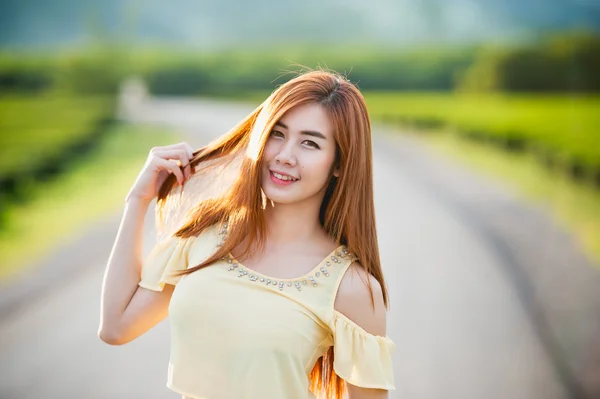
point(568, 62)
point(565, 63)
point(41, 135)
point(561, 130)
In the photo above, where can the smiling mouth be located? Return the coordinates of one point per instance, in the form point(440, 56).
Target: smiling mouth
point(281, 179)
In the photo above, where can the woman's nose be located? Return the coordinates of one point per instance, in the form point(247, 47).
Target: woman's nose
point(286, 154)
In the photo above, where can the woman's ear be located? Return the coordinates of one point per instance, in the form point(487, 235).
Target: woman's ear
point(336, 172)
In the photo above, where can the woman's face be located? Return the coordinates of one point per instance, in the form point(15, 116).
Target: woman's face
point(298, 156)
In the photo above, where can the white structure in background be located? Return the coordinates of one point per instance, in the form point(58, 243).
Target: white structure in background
point(133, 94)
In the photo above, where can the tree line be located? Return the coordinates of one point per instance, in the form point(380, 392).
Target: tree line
point(566, 62)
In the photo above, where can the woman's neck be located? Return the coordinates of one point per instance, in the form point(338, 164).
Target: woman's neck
point(289, 223)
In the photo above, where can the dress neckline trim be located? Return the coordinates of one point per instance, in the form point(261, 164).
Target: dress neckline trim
point(332, 257)
point(341, 252)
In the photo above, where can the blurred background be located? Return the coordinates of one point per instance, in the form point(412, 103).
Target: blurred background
point(507, 89)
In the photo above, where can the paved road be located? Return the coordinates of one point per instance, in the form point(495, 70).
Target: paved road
point(459, 326)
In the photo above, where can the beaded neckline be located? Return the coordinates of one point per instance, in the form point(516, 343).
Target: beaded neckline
point(297, 282)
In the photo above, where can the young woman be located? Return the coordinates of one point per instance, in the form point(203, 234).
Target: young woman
point(272, 282)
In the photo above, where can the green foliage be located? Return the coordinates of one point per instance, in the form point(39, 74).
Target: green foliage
point(229, 72)
point(40, 135)
point(178, 79)
point(98, 72)
point(25, 73)
point(561, 130)
point(579, 56)
point(566, 62)
point(92, 72)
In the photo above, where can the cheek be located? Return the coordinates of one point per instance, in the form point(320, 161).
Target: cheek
point(270, 151)
point(317, 166)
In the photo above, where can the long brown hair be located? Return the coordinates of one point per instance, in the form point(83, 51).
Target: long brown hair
point(347, 212)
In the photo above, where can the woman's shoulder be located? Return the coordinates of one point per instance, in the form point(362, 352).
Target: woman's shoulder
point(353, 300)
point(363, 351)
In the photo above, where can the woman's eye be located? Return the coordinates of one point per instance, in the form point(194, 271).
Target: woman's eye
point(311, 143)
point(276, 133)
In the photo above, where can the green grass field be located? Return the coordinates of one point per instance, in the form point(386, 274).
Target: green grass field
point(35, 130)
point(95, 186)
point(561, 127)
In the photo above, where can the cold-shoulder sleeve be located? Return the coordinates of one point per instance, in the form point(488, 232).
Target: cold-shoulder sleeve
point(361, 358)
point(167, 256)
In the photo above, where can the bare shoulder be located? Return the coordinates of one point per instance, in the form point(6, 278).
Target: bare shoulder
point(353, 300)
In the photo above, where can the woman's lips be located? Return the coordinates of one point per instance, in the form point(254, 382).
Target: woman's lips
point(279, 181)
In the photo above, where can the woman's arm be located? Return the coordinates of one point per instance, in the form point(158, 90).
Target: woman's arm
point(128, 310)
point(353, 300)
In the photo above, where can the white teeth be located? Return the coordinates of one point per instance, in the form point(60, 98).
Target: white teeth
point(282, 177)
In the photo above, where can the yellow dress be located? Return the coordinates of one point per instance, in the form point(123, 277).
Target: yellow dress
point(239, 334)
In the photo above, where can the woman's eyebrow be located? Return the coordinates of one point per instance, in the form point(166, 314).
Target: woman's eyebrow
point(312, 133)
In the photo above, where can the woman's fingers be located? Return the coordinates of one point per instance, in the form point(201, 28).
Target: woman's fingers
point(187, 168)
point(172, 153)
point(175, 156)
point(172, 159)
point(187, 171)
point(182, 146)
point(170, 166)
point(178, 154)
point(189, 149)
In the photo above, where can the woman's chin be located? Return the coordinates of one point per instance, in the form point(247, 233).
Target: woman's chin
point(282, 199)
